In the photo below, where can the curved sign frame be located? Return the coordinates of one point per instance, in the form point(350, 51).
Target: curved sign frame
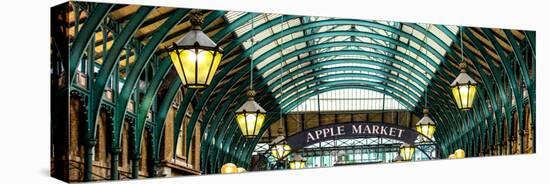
point(352, 130)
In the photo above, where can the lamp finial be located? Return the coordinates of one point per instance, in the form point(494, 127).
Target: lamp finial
point(196, 19)
point(463, 65)
point(250, 93)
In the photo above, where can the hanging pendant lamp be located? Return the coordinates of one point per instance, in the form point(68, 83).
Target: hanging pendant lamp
point(297, 163)
point(280, 148)
point(406, 151)
point(463, 87)
point(195, 56)
point(250, 116)
point(426, 126)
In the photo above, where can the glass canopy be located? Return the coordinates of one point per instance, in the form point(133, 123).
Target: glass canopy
point(349, 100)
point(297, 53)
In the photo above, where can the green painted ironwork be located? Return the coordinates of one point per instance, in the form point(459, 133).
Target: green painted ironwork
point(84, 36)
point(412, 38)
point(222, 140)
point(111, 59)
point(141, 61)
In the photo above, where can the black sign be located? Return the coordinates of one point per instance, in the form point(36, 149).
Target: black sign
point(351, 130)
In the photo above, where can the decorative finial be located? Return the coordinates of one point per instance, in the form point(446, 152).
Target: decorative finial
point(251, 93)
point(196, 19)
point(426, 111)
point(463, 65)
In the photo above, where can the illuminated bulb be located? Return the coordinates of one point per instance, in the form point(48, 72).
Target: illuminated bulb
point(241, 170)
point(250, 118)
point(229, 168)
point(459, 153)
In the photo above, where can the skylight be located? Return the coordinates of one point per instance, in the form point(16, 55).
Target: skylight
point(393, 44)
point(349, 100)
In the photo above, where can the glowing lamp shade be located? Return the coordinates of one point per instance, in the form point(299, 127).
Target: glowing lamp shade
point(464, 89)
point(406, 151)
point(459, 153)
point(229, 168)
point(426, 126)
point(297, 163)
point(196, 58)
point(240, 170)
point(280, 150)
point(250, 116)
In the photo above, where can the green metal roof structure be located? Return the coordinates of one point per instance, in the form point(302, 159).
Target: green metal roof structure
point(296, 57)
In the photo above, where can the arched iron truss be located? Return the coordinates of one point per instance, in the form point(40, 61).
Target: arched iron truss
point(394, 61)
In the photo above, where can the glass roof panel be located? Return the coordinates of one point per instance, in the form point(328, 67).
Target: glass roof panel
point(288, 94)
point(233, 15)
point(349, 100)
point(415, 64)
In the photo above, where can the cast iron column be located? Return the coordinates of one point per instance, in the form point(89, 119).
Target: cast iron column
point(153, 161)
point(88, 151)
point(153, 168)
point(115, 152)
